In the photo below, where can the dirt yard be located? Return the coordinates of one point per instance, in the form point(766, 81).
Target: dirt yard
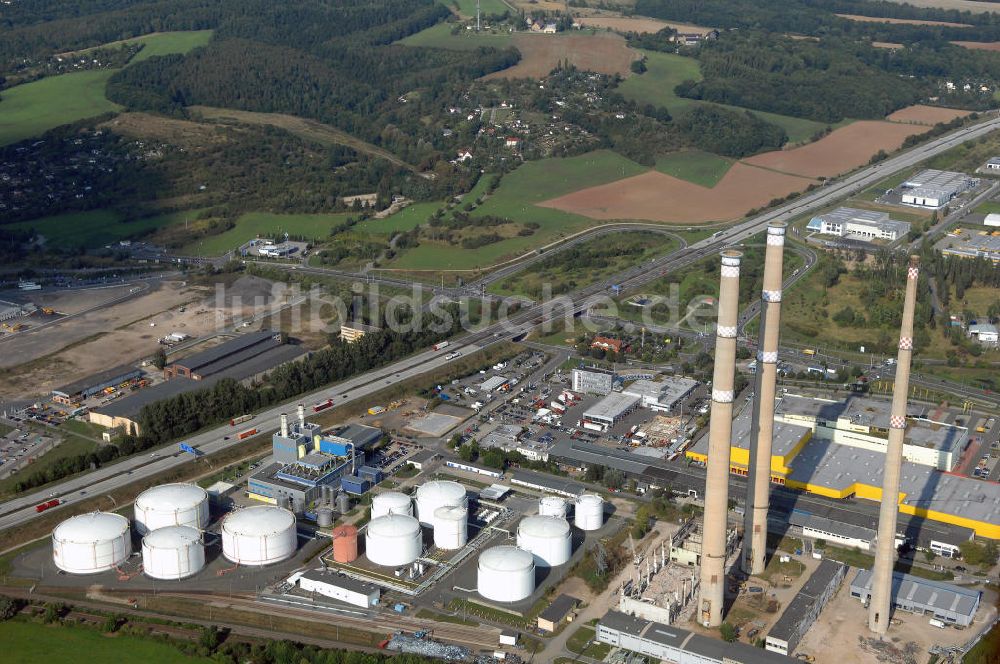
point(926, 115)
point(639, 24)
point(659, 197)
point(979, 46)
point(901, 21)
point(842, 150)
point(605, 53)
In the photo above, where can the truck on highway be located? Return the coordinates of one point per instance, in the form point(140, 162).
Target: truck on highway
point(47, 504)
point(441, 344)
point(322, 405)
point(240, 420)
point(243, 435)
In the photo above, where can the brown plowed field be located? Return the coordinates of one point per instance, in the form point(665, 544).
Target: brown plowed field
point(659, 197)
point(605, 53)
point(927, 115)
point(628, 24)
point(840, 151)
point(901, 21)
point(978, 46)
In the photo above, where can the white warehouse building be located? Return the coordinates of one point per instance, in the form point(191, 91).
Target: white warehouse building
point(336, 586)
point(858, 224)
point(932, 188)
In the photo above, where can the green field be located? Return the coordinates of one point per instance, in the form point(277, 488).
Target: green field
point(167, 43)
point(531, 183)
point(70, 446)
point(96, 228)
point(406, 219)
point(259, 224)
point(440, 36)
point(701, 168)
point(580, 638)
point(665, 71)
point(34, 108)
point(29, 643)
point(989, 207)
point(486, 7)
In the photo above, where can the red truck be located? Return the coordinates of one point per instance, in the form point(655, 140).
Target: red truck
point(322, 405)
point(240, 420)
point(46, 505)
point(242, 435)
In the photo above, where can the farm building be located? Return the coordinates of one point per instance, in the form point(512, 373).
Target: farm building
point(859, 224)
point(945, 602)
point(932, 188)
point(803, 610)
point(84, 388)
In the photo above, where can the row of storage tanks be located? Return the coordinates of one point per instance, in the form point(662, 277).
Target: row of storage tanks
point(171, 519)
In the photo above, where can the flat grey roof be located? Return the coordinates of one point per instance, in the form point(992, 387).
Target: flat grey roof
point(786, 436)
point(344, 582)
point(423, 455)
point(559, 608)
point(216, 353)
point(944, 597)
point(667, 391)
point(602, 456)
point(612, 406)
point(78, 386)
point(548, 481)
point(359, 434)
point(970, 244)
point(830, 526)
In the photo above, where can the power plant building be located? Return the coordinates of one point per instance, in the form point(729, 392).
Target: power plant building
point(805, 607)
point(943, 601)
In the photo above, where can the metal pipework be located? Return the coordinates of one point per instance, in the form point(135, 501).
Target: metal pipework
point(762, 419)
point(713, 554)
point(885, 547)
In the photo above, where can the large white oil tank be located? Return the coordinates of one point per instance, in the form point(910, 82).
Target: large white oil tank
point(393, 540)
point(174, 552)
point(451, 527)
point(506, 574)
point(171, 505)
point(259, 535)
point(91, 543)
point(547, 537)
point(589, 512)
point(391, 502)
point(552, 506)
point(438, 493)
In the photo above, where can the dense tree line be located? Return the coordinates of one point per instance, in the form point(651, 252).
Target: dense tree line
point(730, 132)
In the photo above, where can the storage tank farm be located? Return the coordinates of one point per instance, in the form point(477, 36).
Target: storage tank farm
point(589, 513)
point(259, 535)
point(393, 540)
point(506, 574)
point(548, 538)
point(171, 505)
point(438, 493)
point(552, 506)
point(345, 543)
point(91, 543)
point(451, 527)
point(391, 502)
point(174, 552)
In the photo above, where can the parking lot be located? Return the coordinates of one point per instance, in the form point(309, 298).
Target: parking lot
point(19, 448)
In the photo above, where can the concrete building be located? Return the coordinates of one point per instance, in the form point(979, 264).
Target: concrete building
point(591, 380)
point(224, 356)
point(984, 333)
point(351, 332)
point(547, 483)
point(934, 189)
point(75, 392)
point(676, 645)
point(561, 609)
point(474, 468)
point(493, 383)
point(945, 602)
point(609, 410)
point(338, 587)
point(858, 224)
point(965, 243)
point(805, 608)
point(841, 534)
point(661, 396)
point(422, 458)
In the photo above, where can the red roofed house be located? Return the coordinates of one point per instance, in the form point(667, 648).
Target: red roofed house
point(605, 343)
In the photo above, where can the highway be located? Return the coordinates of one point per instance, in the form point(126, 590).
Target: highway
point(21, 509)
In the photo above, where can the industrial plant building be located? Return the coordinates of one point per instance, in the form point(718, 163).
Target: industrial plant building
point(943, 601)
point(661, 395)
point(591, 380)
point(224, 356)
point(547, 483)
point(932, 188)
point(965, 243)
point(805, 608)
point(858, 224)
point(609, 410)
point(673, 644)
point(338, 587)
point(77, 391)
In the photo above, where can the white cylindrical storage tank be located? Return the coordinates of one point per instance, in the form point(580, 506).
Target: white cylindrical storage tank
point(393, 540)
point(451, 527)
point(391, 502)
point(547, 537)
point(506, 574)
point(589, 512)
point(171, 505)
point(259, 535)
point(552, 506)
point(439, 493)
point(174, 552)
point(91, 543)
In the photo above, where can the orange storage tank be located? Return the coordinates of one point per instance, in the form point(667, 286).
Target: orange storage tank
point(345, 544)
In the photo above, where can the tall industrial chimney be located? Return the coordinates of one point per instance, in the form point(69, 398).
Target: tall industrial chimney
point(302, 416)
point(713, 550)
point(762, 420)
point(885, 547)
point(284, 425)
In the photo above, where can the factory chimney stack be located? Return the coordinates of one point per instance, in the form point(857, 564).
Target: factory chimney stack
point(284, 425)
point(713, 554)
point(885, 547)
point(762, 419)
point(302, 415)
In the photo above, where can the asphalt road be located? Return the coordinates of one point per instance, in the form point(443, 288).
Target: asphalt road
point(21, 509)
